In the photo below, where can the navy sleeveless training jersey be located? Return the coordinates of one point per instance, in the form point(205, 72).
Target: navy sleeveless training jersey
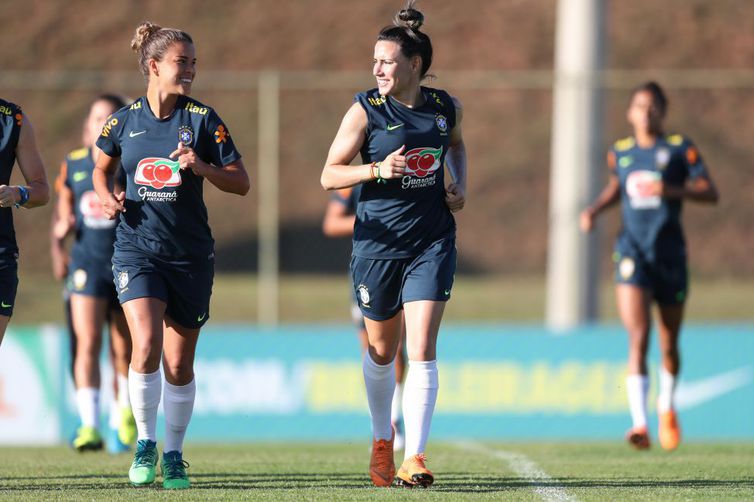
point(165, 212)
point(401, 218)
point(652, 224)
point(95, 234)
point(11, 118)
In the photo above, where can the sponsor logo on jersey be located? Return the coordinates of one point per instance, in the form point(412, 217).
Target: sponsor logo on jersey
point(158, 173)
point(363, 295)
point(6, 110)
point(193, 108)
point(675, 139)
point(91, 210)
point(80, 176)
point(186, 135)
point(111, 122)
point(136, 106)
point(19, 119)
point(639, 185)
point(442, 122)
point(625, 144)
point(78, 154)
point(377, 101)
point(221, 134)
point(423, 161)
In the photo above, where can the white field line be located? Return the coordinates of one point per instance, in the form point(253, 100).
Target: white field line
point(543, 484)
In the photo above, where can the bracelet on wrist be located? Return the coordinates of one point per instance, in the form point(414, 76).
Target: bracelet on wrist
point(372, 175)
point(23, 194)
point(380, 179)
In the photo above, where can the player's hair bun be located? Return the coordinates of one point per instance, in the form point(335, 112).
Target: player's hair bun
point(143, 32)
point(409, 17)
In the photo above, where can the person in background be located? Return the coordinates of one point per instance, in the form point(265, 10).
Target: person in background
point(339, 219)
point(651, 173)
point(90, 295)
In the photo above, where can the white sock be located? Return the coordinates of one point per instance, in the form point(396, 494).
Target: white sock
point(380, 384)
point(114, 421)
point(638, 388)
point(123, 399)
point(178, 405)
point(87, 399)
point(145, 390)
point(419, 397)
point(395, 409)
point(667, 391)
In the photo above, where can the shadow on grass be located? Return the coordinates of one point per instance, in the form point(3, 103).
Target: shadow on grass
point(448, 482)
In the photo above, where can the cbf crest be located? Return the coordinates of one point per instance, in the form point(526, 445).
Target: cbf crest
point(442, 122)
point(662, 157)
point(186, 135)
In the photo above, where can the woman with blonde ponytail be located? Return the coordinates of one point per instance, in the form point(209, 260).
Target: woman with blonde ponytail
point(163, 260)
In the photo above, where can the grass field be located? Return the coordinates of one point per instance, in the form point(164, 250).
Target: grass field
point(307, 298)
point(464, 471)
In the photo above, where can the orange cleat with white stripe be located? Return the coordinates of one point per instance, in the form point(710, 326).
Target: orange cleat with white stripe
point(670, 431)
point(413, 472)
point(382, 464)
point(638, 437)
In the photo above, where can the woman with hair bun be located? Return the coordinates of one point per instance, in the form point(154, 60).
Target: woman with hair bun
point(404, 254)
point(163, 261)
point(651, 173)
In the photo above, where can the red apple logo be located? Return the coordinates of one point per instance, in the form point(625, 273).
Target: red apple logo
point(422, 161)
point(158, 173)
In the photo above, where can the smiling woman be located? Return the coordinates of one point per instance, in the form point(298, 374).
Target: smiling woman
point(163, 260)
point(404, 254)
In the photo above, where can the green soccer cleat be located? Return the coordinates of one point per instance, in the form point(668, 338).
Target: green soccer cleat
point(127, 427)
point(143, 468)
point(173, 468)
point(87, 439)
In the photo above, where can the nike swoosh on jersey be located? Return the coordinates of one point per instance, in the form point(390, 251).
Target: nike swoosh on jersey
point(79, 176)
point(697, 392)
point(133, 134)
point(391, 127)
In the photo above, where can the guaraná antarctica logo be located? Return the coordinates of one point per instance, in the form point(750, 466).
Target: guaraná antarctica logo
point(158, 173)
point(422, 161)
point(91, 210)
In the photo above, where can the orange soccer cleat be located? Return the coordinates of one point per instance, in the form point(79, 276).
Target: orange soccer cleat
point(413, 472)
point(638, 438)
point(670, 431)
point(382, 465)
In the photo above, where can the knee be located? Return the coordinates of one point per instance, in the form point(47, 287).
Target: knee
point(145, 358)
point(179, 370)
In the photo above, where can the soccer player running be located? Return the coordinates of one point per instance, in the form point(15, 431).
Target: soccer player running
point(163, 263)
point(651, 173)
point(17, 143)
point(340, 217)
point(91, 294)
point(404, 254)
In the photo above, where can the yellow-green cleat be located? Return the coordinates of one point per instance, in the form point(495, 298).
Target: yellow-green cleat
point(144, 466)
point(87, 439)
point(173, 468)
point(127, 427)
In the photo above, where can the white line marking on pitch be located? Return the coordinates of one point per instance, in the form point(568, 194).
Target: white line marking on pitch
point(526, 468)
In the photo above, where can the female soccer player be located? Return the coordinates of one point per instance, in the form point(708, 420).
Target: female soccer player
point(340, 217)
point(651, 174)
point(404, 238)
point(163, 263)
point(91, 294)
point(17, 143)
